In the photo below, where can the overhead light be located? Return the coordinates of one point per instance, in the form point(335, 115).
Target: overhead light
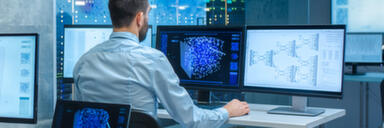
point(182, 7)
point(80, 3)
point(153, 6)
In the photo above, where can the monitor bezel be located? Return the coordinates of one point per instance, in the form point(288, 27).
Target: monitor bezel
point(366, 63)
point(70, 79)
point(293, 92)
point(206, 28)
point(90, 104)
point(35, 97)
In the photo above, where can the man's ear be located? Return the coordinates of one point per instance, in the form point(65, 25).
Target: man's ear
point(140, 18)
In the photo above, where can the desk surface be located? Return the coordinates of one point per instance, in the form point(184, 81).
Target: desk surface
point(368, 77)
point(259, 117)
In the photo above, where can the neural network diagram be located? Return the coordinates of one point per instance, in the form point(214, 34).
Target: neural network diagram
point(201, 56)
point(91, 118)
point(293, 59)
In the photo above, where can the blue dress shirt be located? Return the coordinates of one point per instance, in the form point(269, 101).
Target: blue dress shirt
point(122, 71)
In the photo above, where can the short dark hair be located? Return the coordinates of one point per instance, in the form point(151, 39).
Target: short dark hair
point(124, 11)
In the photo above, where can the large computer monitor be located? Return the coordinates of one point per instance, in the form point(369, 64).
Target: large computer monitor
point(359, 15)
point(203, 57)
point(363, 49)
point(18, 78)
point(295, 60)
point(78, 39)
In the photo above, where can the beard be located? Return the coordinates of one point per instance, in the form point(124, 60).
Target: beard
point(143, 31)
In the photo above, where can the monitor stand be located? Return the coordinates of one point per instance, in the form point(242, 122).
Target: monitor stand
point(354, 71)
point(299, 107)
point(205, 98)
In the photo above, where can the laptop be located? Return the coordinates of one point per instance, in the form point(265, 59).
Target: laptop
point(76, 114)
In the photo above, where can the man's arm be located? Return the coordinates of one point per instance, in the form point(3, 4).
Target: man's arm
point(179, 104)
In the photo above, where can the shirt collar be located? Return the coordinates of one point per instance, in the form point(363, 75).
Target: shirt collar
point(124, 35)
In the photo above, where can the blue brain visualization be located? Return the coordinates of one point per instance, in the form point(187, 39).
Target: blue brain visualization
point(91, 118)
point(201, 56)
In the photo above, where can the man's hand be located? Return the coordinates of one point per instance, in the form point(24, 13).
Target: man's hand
point(237, 108)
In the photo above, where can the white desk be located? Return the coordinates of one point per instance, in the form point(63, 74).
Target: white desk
point(370, 77)
point(259, 117)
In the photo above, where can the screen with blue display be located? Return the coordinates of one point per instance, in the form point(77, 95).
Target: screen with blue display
point(18, 76)
point(73, 114)
point(78, 39)
point(202, 56)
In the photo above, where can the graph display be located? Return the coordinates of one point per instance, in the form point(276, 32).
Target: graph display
point(203, 57)
point(363, 48)
point(294, 59)
point(359, 15)
point(17, 76)
point(78, 41)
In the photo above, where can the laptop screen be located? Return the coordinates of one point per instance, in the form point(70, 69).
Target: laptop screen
point(74, 114)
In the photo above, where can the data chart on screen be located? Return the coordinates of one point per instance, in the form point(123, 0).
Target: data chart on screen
point(359, 15)
point(363, 48)
point(294, 59)
point(17, 76)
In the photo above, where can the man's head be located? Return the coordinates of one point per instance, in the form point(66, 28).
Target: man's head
point(131, 15)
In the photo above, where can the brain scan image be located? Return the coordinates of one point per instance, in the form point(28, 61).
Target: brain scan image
point(201, 56)
point(91, 118)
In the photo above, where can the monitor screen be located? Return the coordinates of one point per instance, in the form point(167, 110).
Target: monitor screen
point(294, 59)
point(359, 15)
point(79, 39)
point(18, 83)
point(363, 48)
point(74, 114)
point(203, 56)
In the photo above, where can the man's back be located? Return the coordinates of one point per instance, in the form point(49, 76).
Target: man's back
point(117, 71)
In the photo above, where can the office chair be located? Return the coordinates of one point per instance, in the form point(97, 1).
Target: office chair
point(382, 102)
point(140, 119)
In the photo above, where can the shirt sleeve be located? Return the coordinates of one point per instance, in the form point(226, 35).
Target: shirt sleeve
point(179, 104)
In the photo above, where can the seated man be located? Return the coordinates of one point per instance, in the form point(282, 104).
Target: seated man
point(121, 71)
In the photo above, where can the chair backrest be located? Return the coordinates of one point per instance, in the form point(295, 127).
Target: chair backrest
point(140, 119)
